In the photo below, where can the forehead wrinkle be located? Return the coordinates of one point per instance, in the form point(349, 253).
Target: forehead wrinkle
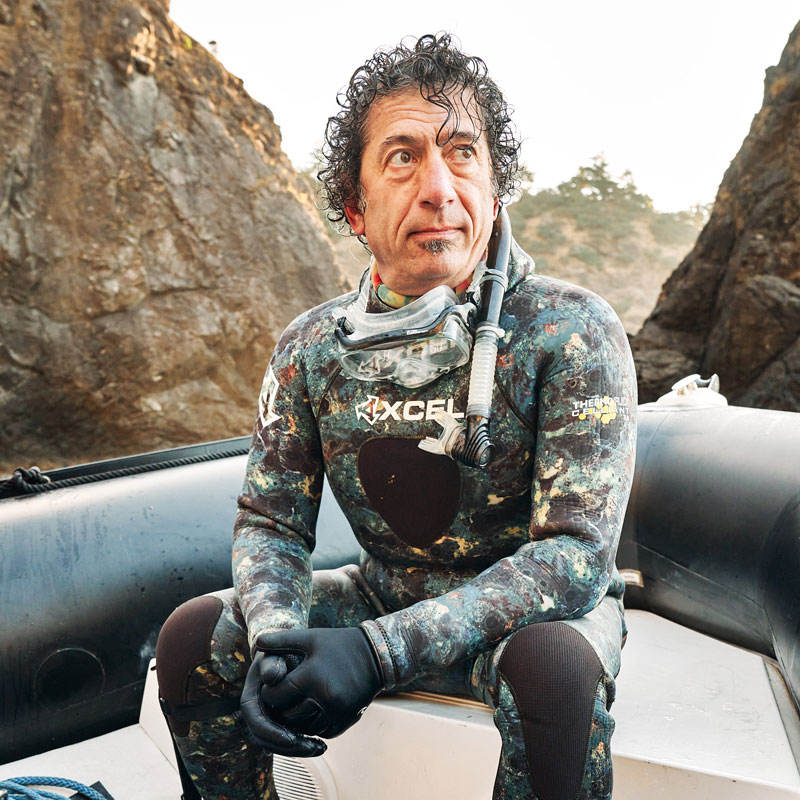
point(460, 104)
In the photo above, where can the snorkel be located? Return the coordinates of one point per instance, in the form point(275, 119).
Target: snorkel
point(470, 443)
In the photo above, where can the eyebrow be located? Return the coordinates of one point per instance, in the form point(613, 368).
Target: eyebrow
point(456, 138)
point(464, 136)
point(391, 141)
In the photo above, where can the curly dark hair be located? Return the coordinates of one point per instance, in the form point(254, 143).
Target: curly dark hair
point(442, 73)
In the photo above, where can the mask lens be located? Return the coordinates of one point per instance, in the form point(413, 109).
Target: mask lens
point(412, 373)
point(369, 365)
point(410, 362)
point(449, 348)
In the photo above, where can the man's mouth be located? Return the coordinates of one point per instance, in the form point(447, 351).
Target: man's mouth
point(436, 232)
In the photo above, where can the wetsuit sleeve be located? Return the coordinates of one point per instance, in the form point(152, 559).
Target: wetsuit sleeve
point(586, 396)
point(274, 529)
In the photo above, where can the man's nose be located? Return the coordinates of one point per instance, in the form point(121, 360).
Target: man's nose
point(436, 182)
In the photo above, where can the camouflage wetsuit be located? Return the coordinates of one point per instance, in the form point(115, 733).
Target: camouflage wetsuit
point(457, 563)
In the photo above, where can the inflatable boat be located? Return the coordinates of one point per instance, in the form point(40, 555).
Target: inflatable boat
point(95, 557)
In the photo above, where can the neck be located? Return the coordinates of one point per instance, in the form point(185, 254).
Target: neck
point(396, 299)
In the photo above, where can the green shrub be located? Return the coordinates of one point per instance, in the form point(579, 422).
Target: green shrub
point(588, 255)
point(551, 232)
point(672, 229)
point(545, 267)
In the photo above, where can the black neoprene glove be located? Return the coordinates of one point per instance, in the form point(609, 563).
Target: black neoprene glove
point(336, 680)
point(271, 734)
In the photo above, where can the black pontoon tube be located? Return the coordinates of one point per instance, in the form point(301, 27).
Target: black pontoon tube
point(711, 538)
point(471, 444)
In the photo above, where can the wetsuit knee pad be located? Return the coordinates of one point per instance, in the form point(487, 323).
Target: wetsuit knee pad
point(553, 674)
point(183, 645)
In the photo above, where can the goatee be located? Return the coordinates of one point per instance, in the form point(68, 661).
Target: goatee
point(436, 246)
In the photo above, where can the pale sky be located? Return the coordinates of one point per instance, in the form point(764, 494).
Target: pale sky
point(665, 89)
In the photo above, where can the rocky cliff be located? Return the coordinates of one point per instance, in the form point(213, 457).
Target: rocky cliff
point(733, 305)
point(154, 240)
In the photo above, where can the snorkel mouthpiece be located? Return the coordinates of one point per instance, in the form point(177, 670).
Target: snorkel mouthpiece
point(470, 442)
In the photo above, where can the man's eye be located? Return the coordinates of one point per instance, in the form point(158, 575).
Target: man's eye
point(400, 157)
point(465, 153)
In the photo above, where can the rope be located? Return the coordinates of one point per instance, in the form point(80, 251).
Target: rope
point(33, 481)
point(23, 481)
point(18, 789)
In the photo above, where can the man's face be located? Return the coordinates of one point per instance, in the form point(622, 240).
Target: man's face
point(427, 210)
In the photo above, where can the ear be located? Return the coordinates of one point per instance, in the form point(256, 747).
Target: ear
point(496, 210)
point(356, 220)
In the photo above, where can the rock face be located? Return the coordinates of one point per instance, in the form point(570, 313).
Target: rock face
point(154, 239)
point(733, 305)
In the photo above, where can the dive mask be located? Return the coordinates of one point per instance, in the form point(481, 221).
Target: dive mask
point(410, 346)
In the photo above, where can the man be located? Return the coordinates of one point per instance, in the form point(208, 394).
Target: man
point(496, 581)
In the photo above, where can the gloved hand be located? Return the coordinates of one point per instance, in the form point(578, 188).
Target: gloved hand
point(269, 733)
point(337, 679)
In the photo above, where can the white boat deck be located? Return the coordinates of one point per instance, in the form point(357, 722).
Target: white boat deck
point(697, 719)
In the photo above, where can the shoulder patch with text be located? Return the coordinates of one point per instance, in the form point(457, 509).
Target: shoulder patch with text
point(603, 408)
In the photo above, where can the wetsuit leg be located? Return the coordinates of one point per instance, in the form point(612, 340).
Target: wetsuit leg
point(202, 659)
point(551, 686)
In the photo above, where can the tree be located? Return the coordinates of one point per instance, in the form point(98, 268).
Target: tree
point(594, 182)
